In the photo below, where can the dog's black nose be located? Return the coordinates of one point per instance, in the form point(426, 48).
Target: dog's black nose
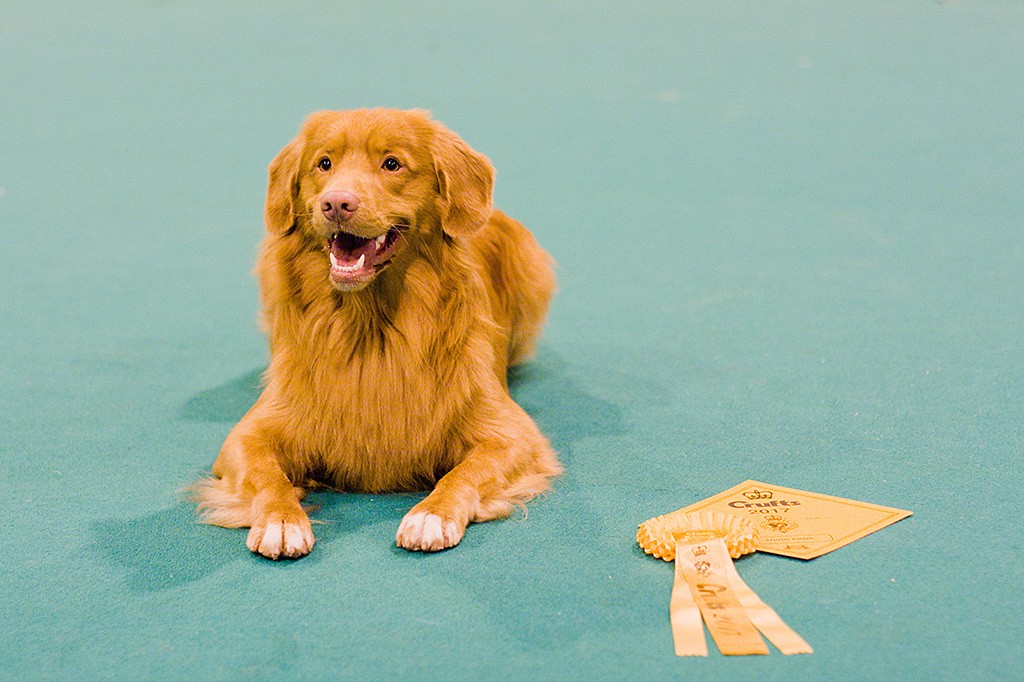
point(338, 205)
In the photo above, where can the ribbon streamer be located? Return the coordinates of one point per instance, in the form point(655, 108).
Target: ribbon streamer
point(687, 626)
point(703, 565)
point(765, 619)
point(707, 585)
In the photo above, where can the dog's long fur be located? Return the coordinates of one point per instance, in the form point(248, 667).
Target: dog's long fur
point(401, 384)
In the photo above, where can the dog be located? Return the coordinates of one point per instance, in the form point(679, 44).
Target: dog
point(395, 297)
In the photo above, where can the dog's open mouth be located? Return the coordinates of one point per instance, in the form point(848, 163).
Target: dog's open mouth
point(356, 260)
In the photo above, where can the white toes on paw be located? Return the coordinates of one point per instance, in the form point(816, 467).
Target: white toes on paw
point(277, 538)
point(425, 532)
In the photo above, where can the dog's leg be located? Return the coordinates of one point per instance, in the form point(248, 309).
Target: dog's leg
point(502, 470)
point(251, 489)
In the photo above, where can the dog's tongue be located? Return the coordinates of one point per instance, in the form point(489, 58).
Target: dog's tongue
point(356, 259)
point(348, 248)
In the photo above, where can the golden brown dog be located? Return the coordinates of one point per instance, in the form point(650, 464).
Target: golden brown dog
point(395, 298)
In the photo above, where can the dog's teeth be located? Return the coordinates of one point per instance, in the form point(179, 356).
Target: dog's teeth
point(346, 267)
point(381, 239)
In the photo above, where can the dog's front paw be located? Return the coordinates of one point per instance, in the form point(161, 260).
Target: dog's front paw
point(281, 535)
point(425, 532)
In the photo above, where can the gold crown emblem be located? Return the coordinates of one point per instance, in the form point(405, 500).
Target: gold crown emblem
point(774, 517)
point(700, 550)
point(758, 494)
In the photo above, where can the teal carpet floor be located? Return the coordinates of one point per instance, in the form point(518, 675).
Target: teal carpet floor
point(791, 248)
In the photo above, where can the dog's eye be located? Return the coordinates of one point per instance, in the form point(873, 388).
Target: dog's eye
point(325, 164)
point(391, 164)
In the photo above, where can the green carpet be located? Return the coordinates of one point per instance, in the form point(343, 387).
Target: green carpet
point(790, 249)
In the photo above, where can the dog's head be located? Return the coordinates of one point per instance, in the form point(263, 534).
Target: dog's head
point(363, 185)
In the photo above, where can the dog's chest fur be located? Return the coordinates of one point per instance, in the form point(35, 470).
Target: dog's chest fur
point(380, 388)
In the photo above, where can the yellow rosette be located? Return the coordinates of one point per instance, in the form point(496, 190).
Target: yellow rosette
point(660, 535)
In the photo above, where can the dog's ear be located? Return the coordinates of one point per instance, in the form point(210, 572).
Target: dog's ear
point(283, 188)
point(465, 181)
